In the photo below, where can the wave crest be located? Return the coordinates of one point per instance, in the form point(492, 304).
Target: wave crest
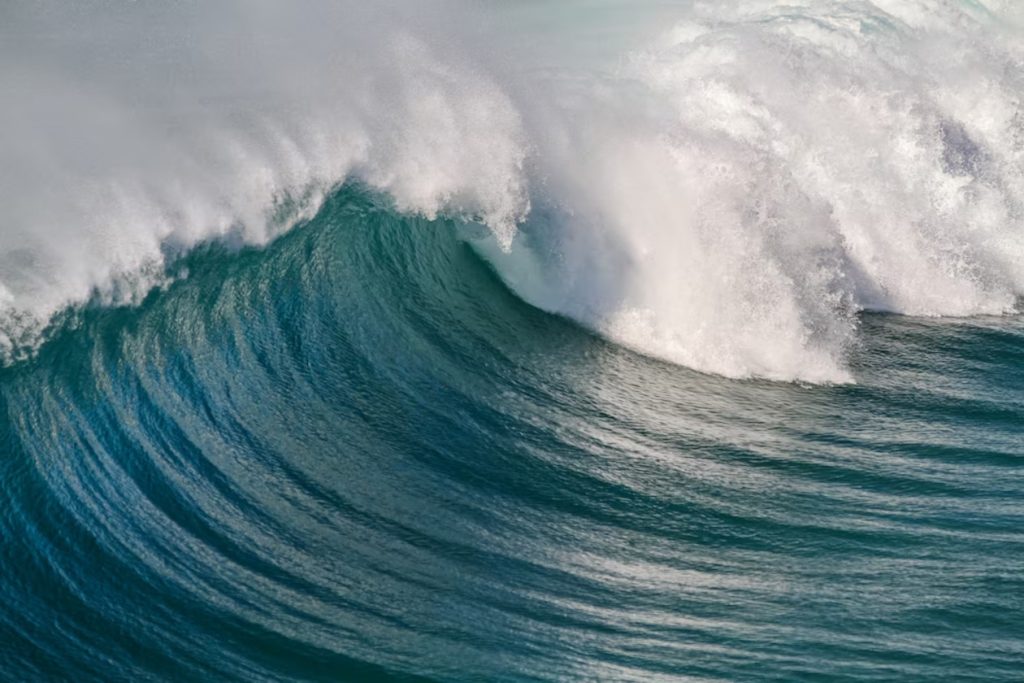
point(729, 197)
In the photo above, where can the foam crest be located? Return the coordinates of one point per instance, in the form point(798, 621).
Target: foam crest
point(729, 194)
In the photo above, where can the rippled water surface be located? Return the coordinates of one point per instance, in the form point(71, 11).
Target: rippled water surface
point(355, 455)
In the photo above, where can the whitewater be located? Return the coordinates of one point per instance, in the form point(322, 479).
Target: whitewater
point(725, 190)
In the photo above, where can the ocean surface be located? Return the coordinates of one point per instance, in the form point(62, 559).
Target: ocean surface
point(539, 341)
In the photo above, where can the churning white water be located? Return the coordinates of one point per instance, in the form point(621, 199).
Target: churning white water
point(724, 185)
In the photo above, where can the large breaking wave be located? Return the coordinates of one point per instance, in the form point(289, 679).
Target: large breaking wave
point(721, 185)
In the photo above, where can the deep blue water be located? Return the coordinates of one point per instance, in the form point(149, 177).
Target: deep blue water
point(355, 455)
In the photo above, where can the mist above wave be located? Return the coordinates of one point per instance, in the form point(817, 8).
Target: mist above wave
point(727, 193)
point(130, 134)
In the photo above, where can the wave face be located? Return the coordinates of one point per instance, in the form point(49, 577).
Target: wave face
point(400, 341)
point(356, 455)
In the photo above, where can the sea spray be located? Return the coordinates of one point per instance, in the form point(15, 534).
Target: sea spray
point(727, 193)
point(736, 193)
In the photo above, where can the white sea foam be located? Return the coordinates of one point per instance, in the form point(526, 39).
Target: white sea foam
point(725, 191)
point(740, 189)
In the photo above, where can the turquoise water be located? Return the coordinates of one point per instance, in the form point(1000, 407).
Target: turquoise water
point(449, 340)
point(356, 455)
